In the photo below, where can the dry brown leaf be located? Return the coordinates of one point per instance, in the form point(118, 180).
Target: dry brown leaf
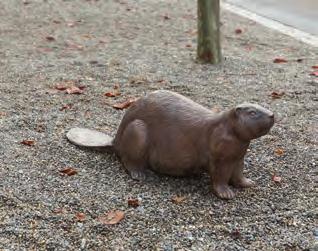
point(88, 36)
point(112, 217)
point(138, 80)
point(280, 60)
point(178, 199)
point(188, 45)
point(69, 171)
point(74, 90)
point(277, 95)
point(162, 81)
point(50, 38)
point(28, 142)
point(133, 202)
point(236, 234)
point(65, 107)
point(315, 67)
point(238, 31)
point(279, 151)
point(125, 104)
point(276, 179)
point(112, 94)
point(60, 87)
point(80, 217)
point(81, 87)
point(315, 73)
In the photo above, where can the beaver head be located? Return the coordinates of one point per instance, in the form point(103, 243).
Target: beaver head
point(252, 121)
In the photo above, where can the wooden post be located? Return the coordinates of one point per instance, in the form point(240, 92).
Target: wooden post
point(209, 49)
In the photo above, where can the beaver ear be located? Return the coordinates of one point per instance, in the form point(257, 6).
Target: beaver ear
point(238, 110)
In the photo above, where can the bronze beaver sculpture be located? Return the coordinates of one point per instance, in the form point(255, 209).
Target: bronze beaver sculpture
point(173, 135)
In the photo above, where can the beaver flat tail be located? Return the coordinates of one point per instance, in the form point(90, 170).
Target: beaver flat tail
point(89, 138)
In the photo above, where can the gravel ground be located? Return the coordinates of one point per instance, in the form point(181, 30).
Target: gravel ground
point(142, 46)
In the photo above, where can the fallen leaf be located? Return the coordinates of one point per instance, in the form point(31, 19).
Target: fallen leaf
point(138, 80)
point(69, 171)
point(166, 17)
point(276, 179)
point(2, 114)
point(315, 67)
point(74, 90)
point(299, 60)
point(50, 38)
point(81, 87)
point(60, 87)
point(88, 36)
point(93, 62)
point(112, 94)
point(80, 217)
point(162, 81)
point(56, 21)
point(65, 107)
point(238, 31)
point(28, 142)
point(315, 73)
point(188, 45)
point(133, 202)
point(279, 60)
point(235, 234)
point(125, 104)
point(277, 95)
point(112, 217)
point(279, 151)
point(178, 199)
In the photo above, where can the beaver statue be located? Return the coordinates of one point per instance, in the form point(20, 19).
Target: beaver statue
point(171, 134)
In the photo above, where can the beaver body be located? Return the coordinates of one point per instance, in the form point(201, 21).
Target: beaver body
point(173, 135)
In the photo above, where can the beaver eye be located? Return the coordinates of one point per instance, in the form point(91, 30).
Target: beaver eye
point(252, 113)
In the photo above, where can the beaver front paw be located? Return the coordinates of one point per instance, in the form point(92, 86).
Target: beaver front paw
point(223, 192)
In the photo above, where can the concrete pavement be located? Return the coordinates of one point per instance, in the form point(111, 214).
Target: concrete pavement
point(302, 15)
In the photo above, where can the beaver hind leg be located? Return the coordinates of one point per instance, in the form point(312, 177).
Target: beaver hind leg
point(238, 179)
point(132, 150)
